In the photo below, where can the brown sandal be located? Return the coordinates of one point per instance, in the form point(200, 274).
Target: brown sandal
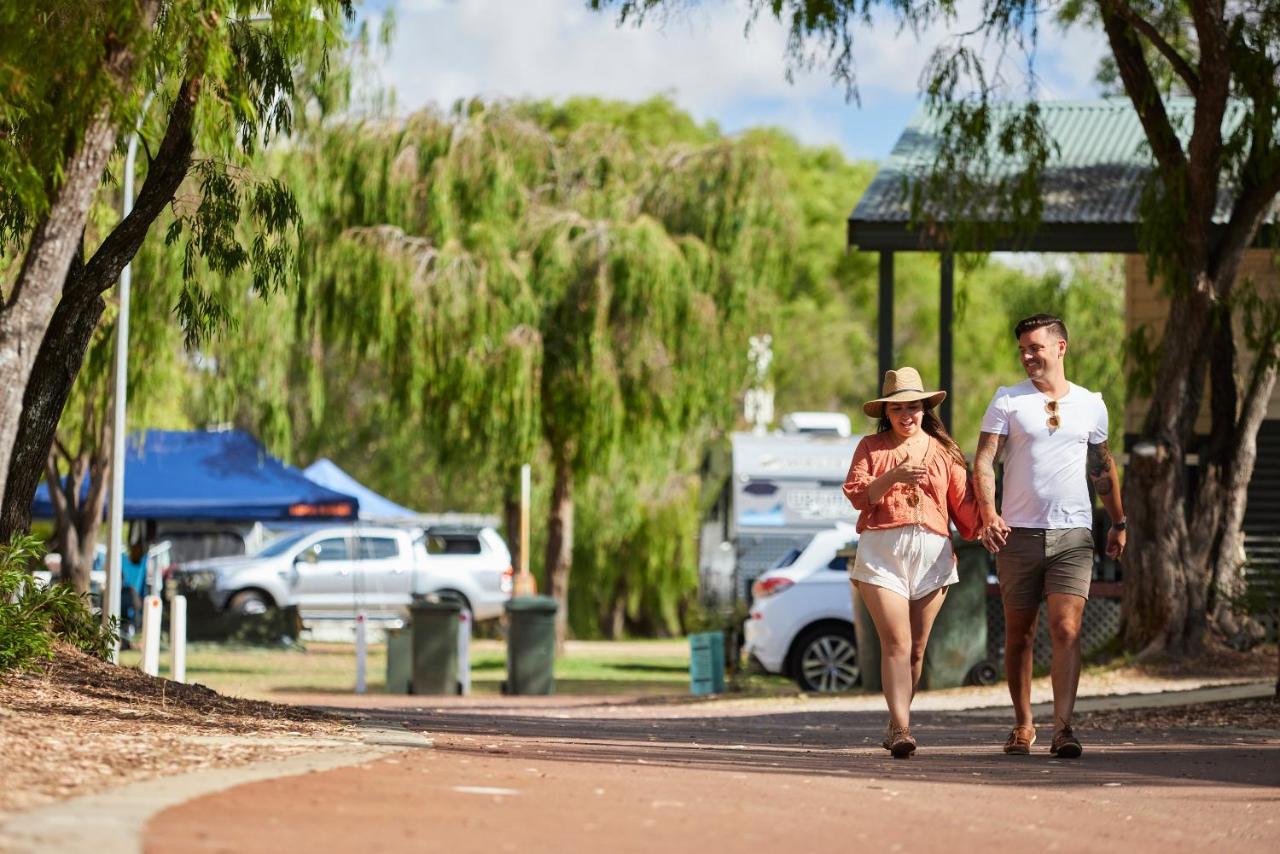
point(1065, 744)
point(1021, 739)
point(902, 742)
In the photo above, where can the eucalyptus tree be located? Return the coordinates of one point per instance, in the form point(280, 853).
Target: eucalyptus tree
point(1202, 78)
point(75, 77)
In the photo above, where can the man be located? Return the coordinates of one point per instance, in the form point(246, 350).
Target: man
point(133, 584)
point(1052, 434)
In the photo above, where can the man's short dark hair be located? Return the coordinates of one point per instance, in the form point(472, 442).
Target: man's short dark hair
point(1041, 321)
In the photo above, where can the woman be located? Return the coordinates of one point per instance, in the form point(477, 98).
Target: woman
point(907, 481)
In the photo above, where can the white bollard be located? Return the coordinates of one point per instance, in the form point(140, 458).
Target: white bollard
point(464, 652)
point(362, 650)
point(151, 615)
point(178, 638)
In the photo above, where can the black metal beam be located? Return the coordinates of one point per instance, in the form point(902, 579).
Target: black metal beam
point(885, 336)
point(946, 319)
point(1121, 237)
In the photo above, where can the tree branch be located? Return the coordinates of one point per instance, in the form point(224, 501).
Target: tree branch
point(168, 170)
point(1250, 209)
point(56, 495)
point(1141, 87)
point(1179, 63)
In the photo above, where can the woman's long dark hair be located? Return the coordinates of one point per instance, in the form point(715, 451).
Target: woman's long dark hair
point(933, 426)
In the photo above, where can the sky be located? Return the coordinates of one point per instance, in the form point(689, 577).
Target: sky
point(444, 50)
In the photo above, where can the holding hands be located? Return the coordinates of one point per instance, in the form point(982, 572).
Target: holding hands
point(995, 533)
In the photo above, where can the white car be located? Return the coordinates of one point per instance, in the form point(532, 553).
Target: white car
point(801, 618)
point(332, 572)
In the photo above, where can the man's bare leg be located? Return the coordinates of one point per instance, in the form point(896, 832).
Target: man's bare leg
point(1066, 612)
point(1019, 643)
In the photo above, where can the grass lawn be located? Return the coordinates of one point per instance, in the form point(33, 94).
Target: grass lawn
point(587, 667)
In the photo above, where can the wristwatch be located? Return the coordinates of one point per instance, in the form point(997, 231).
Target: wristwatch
point(1121, 525)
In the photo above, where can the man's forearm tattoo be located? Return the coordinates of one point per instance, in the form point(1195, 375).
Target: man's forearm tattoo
point(984, 470)
point(1100, 468)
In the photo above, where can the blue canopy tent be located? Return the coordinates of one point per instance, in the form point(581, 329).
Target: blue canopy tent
point(372, 505)
point(224, 475)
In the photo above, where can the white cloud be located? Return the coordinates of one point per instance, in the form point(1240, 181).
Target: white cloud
point(445, 50)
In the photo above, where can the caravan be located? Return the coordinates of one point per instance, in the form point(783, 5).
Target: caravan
point(773, 493)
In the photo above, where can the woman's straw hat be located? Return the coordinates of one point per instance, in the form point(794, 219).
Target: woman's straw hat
point(901, 386)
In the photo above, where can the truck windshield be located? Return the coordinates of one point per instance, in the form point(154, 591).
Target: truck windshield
point(280, 545)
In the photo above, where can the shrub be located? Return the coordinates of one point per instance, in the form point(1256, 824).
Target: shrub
point(33, 619)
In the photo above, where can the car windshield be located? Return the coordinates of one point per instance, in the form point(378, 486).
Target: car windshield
point(786, 560)
point(280, 545)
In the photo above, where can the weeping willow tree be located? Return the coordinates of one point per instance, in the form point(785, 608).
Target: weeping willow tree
point(521, 292)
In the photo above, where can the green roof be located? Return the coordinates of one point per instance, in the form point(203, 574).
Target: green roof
point(1091, 189)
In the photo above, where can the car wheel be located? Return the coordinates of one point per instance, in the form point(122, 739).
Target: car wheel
point(985, 672)
point(826, 660)
point(249, 603)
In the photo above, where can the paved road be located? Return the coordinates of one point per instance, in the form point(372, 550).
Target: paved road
point(567, 777)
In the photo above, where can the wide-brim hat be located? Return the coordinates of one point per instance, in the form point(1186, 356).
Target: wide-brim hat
point(902, 386)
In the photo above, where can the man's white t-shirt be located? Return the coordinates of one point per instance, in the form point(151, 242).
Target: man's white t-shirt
point(1045, 482)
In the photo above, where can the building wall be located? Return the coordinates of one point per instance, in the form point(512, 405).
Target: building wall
point(1145, 303)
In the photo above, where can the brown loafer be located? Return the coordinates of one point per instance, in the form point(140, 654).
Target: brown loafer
point(1020, 740)
point(902, 743)
point(1065, 744)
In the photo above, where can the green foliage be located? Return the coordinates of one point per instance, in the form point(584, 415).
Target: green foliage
point(33, 619)
point(528, 282)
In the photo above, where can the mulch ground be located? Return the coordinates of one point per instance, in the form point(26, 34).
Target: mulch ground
point(1261, 714)
point(78, 725)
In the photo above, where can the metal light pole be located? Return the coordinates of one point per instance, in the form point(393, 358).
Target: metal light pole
point(111, 605)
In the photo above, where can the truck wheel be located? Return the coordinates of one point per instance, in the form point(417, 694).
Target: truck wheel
point(249, 603)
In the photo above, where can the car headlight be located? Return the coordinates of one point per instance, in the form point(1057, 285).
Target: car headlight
point(195, 581)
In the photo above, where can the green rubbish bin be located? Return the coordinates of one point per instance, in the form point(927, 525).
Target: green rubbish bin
point(399, 661)
point(958, 641)
point(706, 663)
point(531, 645)
point(435, 644)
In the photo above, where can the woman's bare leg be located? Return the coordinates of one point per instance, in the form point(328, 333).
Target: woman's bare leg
point(891, 613)
point(923, 612)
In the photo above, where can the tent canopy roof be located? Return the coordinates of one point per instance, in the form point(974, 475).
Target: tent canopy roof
point(223, 475)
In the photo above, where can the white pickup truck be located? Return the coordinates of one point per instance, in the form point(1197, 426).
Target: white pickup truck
point(334, 571)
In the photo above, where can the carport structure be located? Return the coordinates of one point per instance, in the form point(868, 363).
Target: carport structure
point(1090, 196)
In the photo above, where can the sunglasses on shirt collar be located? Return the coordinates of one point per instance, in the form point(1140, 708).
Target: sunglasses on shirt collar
point(1055, 419)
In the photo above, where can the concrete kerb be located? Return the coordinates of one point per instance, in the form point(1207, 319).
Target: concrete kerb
point(112, 822)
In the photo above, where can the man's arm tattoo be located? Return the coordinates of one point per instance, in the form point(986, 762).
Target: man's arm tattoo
point(984, 473)
point(1100, 466)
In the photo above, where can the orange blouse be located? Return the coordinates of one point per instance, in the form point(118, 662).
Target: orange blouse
point(946, 491)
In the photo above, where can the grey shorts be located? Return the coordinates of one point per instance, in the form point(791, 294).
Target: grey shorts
point(1036, 561)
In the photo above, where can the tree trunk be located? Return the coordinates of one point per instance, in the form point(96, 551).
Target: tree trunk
point(25, 317)
point(511, 525)
point(1158, 589)
point(52, 377)
point(66, 340)
point(618, 613)
point(1228, 616)
point(560, 546)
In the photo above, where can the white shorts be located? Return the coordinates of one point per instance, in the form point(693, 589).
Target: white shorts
point(911, 560)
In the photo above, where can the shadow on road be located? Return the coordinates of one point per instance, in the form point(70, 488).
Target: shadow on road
point(954, 749)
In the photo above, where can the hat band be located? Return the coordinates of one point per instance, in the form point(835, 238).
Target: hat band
point(900, 390)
